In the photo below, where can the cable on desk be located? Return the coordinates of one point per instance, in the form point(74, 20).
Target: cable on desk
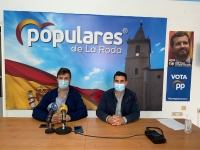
point(110, 137)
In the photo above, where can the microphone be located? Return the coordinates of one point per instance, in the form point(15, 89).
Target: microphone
point(52, 108)
point(63, 110)
point(64, 129)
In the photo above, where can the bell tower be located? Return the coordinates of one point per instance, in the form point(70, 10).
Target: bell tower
point(137, 66)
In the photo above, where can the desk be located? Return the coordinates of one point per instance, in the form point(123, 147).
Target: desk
point(25, 134)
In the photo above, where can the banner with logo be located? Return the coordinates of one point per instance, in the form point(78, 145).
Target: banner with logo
point(178, 84)
point(180, 57)
point(93, 47)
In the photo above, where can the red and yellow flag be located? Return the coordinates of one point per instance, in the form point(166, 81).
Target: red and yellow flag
point(25, 86)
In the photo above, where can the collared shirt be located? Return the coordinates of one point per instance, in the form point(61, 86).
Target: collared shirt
point(118, 111)
point(118, 106)
point(60, 101)
point(188, 62)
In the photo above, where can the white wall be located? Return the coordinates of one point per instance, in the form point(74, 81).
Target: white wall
point(180, 16)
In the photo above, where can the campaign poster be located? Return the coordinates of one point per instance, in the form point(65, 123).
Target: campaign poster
point(178, 84)
point(180, 58)
point(180, 52)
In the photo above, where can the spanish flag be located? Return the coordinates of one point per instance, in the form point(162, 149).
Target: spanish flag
point(25, 86)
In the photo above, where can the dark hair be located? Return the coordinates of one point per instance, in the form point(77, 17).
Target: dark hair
point(119, 73)
point(62, 71)
point(178, 34)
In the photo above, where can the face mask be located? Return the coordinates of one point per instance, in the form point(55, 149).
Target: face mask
point(62, 84)
point(119, 87)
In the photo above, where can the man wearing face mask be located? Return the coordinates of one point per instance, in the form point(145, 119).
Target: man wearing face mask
point(64, 94)
point(118, 105)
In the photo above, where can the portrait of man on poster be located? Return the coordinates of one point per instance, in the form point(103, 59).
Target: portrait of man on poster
point(180, 49)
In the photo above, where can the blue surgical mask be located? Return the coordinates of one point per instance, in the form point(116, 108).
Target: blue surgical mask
point(63, 85)
point(119, 87)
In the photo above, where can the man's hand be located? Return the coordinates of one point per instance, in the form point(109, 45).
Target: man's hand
point(57, 118)
point(111, 120)
point(115, 120)
point(68, 118)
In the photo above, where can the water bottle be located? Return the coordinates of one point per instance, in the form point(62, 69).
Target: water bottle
point(188, 125)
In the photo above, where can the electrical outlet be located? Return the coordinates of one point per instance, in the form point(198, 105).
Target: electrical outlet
point(183, 107)
point(198, 110)
point(177, 113)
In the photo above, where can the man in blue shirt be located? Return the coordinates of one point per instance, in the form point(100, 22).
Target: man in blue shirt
point(64, 94)
point(118, 105)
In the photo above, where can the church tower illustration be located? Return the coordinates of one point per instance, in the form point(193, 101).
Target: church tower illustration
point(147, 83)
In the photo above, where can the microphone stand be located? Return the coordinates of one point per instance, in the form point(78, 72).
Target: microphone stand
point(50, 129)
point(64, 129)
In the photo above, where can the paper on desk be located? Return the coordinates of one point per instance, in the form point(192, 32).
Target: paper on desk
point(171, 123)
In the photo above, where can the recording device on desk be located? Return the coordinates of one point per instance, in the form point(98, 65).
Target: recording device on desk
point(64, 129)
point(154, 136)
point(78, 129)
point(52, 108)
